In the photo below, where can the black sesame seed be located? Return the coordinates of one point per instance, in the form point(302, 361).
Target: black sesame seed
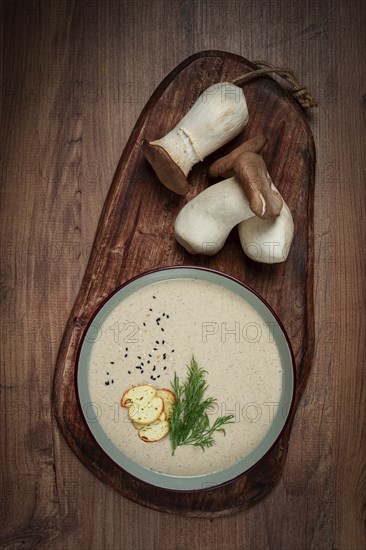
point(142, 364)
point(112, 362)
point(162, 329)
point(155, 349)
point(126, 349)
point(172, 351)
point(148, 361)
point(158, 376)
point(107, 373)
point(167, 316)
point(154, 368)
point(154, 297)
point(164, 368)
point(126, 354)
point(138, 357)
point(156, 341)
point(112, 381)
point(163, 342)
point(106, 383)
point(150, 355)
point(150, 309)
point(163, 314)
point(144, 324)
point(152, 378)
point(129, 372)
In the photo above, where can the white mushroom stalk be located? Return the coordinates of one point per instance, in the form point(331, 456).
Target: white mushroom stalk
point(218, 116)
point(204, 223)
point(267, 240)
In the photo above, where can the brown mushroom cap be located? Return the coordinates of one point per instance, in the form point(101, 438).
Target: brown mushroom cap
point(251, 172)
point(224, 166)
point(168, 172)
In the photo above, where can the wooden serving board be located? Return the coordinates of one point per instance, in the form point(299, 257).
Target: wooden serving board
point(135, 234)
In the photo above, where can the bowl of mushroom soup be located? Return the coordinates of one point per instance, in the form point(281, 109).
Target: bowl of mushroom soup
point(146, 333)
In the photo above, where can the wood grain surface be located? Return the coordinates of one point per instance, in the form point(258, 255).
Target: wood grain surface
point(75, 76)
point(135, 235)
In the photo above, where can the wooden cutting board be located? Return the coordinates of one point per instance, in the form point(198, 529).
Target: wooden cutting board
point(135, 234)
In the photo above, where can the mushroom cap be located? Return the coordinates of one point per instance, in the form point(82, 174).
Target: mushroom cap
point(264, 199)
point(224, 166)
point(168, 172)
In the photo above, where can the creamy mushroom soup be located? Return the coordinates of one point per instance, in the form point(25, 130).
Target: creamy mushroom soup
point(153, 333)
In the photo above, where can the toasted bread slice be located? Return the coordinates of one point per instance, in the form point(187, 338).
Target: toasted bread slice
point(169, 401)
point(160, 419)
point(143, 391)
point(146, 411)
point(154, 432)
point(143, 405)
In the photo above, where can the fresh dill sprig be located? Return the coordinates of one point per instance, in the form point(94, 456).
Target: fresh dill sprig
point(190, 424)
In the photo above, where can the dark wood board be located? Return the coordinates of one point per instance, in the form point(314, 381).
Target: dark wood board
point(135, 234)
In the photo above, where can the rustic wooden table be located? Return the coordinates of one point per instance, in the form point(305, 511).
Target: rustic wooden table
point(75, 78)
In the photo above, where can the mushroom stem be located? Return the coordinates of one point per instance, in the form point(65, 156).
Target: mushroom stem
point(218, 116)
point(204, 223)
point(267, 241)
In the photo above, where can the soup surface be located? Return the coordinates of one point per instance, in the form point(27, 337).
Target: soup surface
point(153, 333)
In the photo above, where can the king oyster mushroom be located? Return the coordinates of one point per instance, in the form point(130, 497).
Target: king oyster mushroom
point(264, 238)
point(250, 170)
point(218, 116)
point(204, 223)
